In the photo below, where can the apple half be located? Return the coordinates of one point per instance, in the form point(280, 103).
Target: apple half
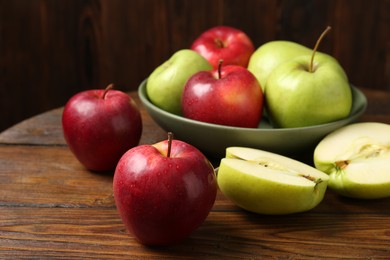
point(269, 183)
point(357, 159)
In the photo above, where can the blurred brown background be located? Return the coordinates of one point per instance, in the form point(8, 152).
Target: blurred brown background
point(51, 49)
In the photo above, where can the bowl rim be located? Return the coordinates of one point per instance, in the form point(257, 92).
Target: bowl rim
point(354, 114)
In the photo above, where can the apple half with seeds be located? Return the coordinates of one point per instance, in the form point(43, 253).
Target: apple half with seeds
point(268, 183)
point(357, 159)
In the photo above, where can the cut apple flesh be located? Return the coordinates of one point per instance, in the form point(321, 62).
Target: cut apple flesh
point(274, 171)
point(357, 159)
point(270, 174)
point(368, 171)
point(268, 183)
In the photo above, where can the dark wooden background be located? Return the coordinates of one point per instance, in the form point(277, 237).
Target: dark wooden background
point(51, 49)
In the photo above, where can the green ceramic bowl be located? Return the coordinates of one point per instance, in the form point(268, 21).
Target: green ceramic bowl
point(213, 139)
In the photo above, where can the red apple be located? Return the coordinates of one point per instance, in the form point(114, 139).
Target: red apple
point(226, 43)
point(100, 126)
point(229, 95)
point(163, 192)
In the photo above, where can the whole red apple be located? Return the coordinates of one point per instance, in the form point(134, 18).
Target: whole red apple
point(229, 95)
point(223, 42)
point(163, 192)
point(100, 125)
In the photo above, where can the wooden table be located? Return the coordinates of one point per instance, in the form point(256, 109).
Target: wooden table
point(51, 207)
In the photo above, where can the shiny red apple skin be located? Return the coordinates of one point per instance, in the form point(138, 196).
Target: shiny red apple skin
point(100, 130)
point(161, 199)
point(234, 99)
point(227, 43)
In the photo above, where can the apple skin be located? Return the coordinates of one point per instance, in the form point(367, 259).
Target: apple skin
point(165, 84)
point(357, 159)
point(270, 55)
point(161, 199)
point(296, 97)
point(230, 44)
point(268, 183)
point(235, 99)
point(100, 130)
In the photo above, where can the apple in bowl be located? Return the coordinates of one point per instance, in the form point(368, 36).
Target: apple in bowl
point(308, 90)
point(229, 95)
point(271, 54)
point(224, 42)
point(166, 83)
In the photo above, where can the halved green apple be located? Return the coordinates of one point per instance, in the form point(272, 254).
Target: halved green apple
point(357, 159)
point(268, 183)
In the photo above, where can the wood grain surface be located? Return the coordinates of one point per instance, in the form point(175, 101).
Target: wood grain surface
point(52, 208)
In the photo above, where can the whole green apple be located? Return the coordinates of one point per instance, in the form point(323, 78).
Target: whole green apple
point(271, 54)
point(268, 183)
point(308, 90)
point(357, 159)
point(298, 97)
point(165, 84)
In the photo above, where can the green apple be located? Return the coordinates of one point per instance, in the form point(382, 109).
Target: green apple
point(271, 54)
point(357, 159)
point(308, 90)
point(269, 183)
point(297, 97)
point(165, 84)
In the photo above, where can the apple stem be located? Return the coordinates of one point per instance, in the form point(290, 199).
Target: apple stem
point(316, 47)
point(170, 138)
point(220, 68)
point(109, 87)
